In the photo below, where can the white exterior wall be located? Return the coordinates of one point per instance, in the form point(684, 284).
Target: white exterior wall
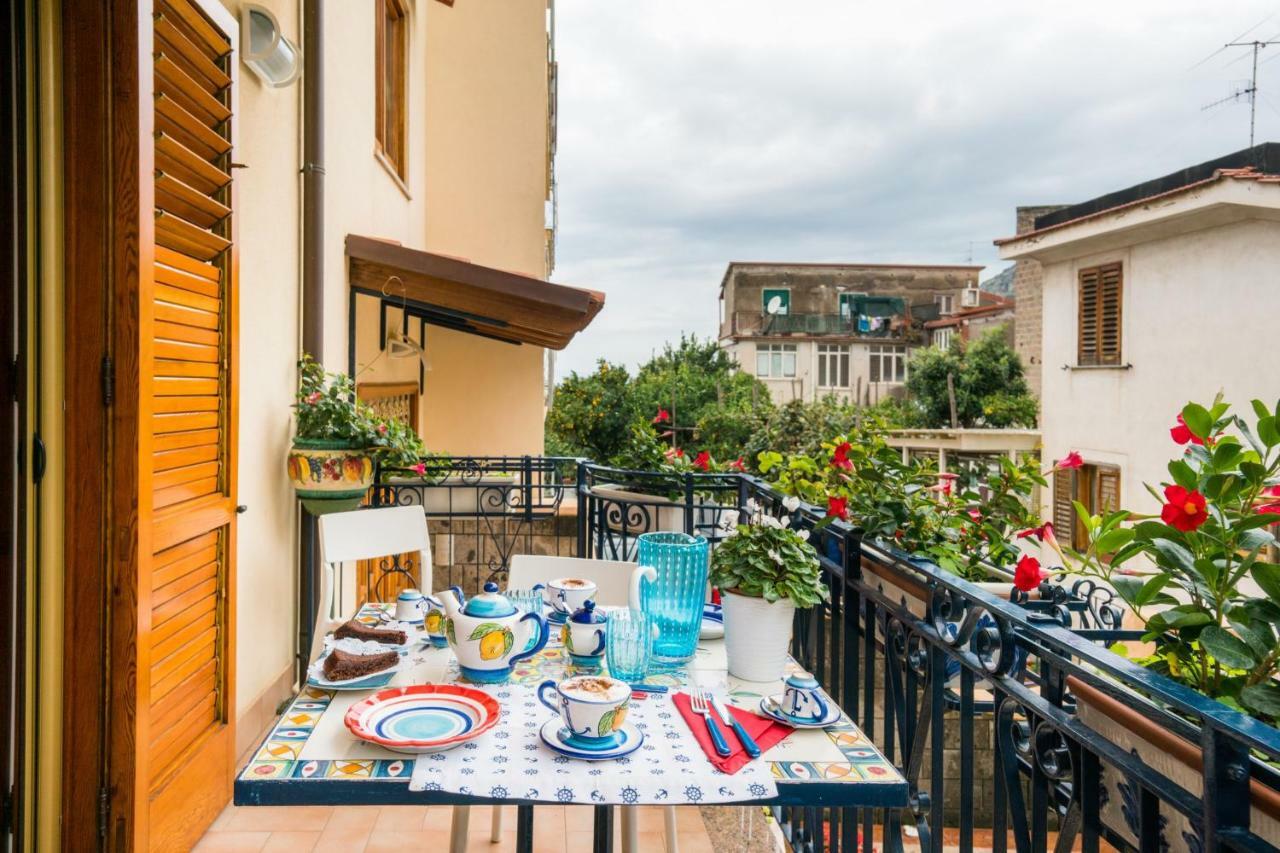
point(804, 385)
point(1197, 315)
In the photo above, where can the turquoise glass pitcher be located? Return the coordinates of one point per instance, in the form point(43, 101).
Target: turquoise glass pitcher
point(674, 597)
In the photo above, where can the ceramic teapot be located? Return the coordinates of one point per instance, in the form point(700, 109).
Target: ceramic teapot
point(490, 634)
point(583, 635)
point(435, 617)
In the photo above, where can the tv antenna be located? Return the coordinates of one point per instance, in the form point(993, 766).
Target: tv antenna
point(1250, 91)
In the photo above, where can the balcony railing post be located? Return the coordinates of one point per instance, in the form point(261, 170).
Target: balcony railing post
point(583, 501)
point(1226, 789)
point(689, 526)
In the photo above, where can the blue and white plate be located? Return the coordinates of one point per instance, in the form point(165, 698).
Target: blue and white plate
point(557, 736)
point(423, 718)
point(315, 677)
point(770, 707)
point(712, 623)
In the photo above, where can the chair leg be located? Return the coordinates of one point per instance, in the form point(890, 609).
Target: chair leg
point(630, 830)
point(458, 829)
point(669, 825)
point(495, 826)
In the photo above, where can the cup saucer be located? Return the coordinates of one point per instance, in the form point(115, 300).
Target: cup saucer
point(771, 708)
point(559, 739)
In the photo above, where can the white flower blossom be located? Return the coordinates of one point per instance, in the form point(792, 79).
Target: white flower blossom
point(785, 521)
point(775, 556)
point(791, 503)
point(803, 534)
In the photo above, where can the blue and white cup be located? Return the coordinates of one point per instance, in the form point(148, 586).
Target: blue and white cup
point(802, 698)
point(411, 607)
point(593, 708)
point(435, 618)
point(565, 595)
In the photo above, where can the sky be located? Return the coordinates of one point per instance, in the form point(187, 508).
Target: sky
point(697, 132)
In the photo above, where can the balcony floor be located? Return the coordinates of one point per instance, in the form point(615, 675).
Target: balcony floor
point(557, 829)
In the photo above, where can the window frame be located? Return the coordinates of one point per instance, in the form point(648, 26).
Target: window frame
point(1086, 485)
point(1094, 292)
point(391, 129)
point(776, 354)
point(943, 337)
point(894, 354)
point(833, 359)
point(946, 303)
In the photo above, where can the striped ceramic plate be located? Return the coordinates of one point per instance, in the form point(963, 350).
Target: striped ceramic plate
point(423, 718)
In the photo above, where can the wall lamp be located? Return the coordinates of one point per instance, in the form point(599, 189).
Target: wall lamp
point(266, 51)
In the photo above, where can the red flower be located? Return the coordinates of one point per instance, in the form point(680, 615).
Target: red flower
point(1071, 460)
point(738, 465)
point(840, 456)
point(663, 417)
point(702, 461)
point(1043, 532)
point(1184, 510)
point(314, 397)
point(838, 507)
point(1183, 434)
point(673, 453)
point(975, 515)
point(1027, 576)
point(420, 469)
point(1270, 509)
point(1271, 492)
point(382, 429)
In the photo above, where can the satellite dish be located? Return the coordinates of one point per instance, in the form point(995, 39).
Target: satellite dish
point(401, 346)
point(774, 306)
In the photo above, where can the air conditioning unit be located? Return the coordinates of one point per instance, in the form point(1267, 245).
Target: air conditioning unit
point(969, 297)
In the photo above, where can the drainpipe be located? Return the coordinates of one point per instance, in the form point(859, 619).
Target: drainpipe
point(312, 287)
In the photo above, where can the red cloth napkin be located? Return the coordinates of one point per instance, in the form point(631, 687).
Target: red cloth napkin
point(764, 731)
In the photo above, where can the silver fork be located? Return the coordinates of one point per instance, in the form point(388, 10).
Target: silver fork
point(698, 701)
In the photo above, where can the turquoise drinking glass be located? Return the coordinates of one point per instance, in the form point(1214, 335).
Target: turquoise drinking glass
point(628, 644)
point(674, 600)
point(528, 600)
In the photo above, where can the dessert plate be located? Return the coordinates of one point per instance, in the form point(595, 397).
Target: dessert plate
point(712, 623)
point(555, 734)
point(315, 677)
point(423, 718)
point(770, 708)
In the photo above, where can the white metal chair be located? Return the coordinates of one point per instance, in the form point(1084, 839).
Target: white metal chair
point(613, 586)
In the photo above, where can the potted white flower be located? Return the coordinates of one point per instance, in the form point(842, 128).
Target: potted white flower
point(764, 571)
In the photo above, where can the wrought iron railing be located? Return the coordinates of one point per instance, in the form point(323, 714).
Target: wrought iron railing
point(1009, 716)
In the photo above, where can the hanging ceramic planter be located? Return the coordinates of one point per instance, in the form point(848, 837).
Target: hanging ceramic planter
point(330, 475)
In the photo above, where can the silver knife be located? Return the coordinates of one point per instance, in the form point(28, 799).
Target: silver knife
point(729, 720)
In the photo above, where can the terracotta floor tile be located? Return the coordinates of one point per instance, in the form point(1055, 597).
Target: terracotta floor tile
point(405, 841)
point(439, 819)
point(283, 818)
point(343, 840)
point(649, 818)
point(695, 842)
point(648, 842)
point(353, 817)
point(232, 841)
point(688, 817)
point(579, 819)
point(221, 821)
point(291, 842)
point(400, 817)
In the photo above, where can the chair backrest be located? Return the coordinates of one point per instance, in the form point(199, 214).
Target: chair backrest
point(612, 577)
point(366, 534)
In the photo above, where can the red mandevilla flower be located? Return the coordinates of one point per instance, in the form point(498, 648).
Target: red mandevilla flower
point(1027, 576)
point(662, 417)
point(314, 397)
point(1183, 434)
point(838, 507)
point(420, 469)
point(1071, 460)
point(975, 515)
point(382, 429)
point(1044, 532)
point(1185, 509)
point(738, 464)
point(840, 457)
point(702, 461)
point(673, 453)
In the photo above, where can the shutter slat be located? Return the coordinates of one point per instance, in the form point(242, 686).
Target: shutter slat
point(187, 438)
point(186, 492)
point(173, 423)
point(181, 314)
point(186, 334)
point(1064, 513)
point(203, 32)
point(187, 202)
point(193, 58)
point(171, 80)
point(180, 161)
point(177, 121)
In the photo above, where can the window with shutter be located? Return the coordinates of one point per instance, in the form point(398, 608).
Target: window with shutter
point(1099, 315)
point(391, 96)
point(1064, 513)
point(1096, 487)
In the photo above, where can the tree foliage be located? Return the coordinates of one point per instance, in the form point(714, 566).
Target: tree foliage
point(987, 378)
point(592, 413)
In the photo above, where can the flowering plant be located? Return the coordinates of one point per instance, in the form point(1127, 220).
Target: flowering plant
point(765, 558)
point(1209, 595)
point(327, 410)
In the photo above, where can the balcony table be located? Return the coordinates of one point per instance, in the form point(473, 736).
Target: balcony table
point(309, 758)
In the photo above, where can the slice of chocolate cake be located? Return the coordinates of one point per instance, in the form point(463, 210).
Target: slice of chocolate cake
point(343, 666)
point(356, 631)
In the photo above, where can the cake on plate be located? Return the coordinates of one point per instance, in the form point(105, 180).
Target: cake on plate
point(344, 666)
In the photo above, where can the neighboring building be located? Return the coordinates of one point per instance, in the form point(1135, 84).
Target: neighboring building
point(991, 312)
point(1152, 296)
point(1027, 281)
point(812, 330)
point(188, 248)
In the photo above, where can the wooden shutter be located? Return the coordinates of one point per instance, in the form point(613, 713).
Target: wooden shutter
point(1099, 315)
point(1108, 490)
point(188, 402)
point(1064, 512)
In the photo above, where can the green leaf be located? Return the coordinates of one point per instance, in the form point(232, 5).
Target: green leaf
point(1189, 618)
point(1258, 637)
point(1198, 419)
point(1267, 576)
point(1149, 590)
point(1225, 454)
point(1260, 409)
point(1262, 698)
point(1113, 540)
point(484, 628)
point(1267, 431)
point(1255, 538)
point(1227, 648)
point(1182, 474)
point(1177, 555)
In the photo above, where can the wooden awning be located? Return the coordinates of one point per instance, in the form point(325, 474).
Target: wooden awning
point(468, 297)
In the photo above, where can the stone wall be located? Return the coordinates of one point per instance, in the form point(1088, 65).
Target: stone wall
point(1028, 282)
point(469, 551)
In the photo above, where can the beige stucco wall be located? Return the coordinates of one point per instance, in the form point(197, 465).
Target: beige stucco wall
point(1193, 324)
point(804, 385)
point(486, 109)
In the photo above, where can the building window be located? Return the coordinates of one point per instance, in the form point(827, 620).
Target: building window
point(1100, 302)
point(945, 303)
point(776, 361)
point(849, 305)
point(833, 366)
point(782, 294)
point(888, 363)
point(1096, 487)
point(392, 72)
point(942, 337)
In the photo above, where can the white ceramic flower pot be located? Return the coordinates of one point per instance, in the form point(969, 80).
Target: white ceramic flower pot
point(757, 635)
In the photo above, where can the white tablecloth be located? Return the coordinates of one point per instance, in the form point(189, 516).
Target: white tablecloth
point(511, 761)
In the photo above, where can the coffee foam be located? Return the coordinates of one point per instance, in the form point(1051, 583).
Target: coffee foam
point(571, 583)
point(595, 688)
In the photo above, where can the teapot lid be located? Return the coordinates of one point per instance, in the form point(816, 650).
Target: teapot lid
point(587, 614)
point(489, 604)
point(803, 681)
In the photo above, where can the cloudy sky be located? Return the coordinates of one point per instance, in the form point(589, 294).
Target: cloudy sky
point(695, 132)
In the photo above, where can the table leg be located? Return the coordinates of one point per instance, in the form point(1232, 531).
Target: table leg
point(603, 838)
point(524, 829)
point(630, 829)
point(458, 831)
